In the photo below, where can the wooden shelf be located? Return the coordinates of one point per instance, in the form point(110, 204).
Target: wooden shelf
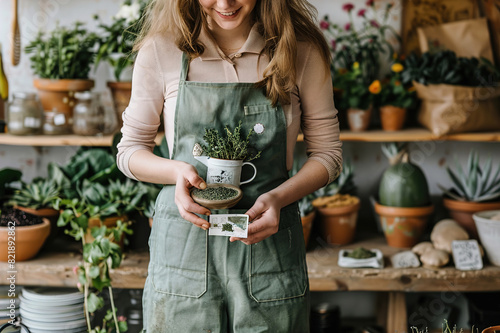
point(56, 269)
point(407, 135)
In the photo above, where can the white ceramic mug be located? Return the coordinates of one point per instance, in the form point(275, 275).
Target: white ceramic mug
point(225, 171)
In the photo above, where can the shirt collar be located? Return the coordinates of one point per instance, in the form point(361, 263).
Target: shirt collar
point(254, 44)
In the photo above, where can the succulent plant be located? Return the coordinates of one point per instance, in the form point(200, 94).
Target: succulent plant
point(474, 183)
point(40, 193)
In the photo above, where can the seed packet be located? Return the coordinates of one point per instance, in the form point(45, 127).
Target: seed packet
point(235, 225)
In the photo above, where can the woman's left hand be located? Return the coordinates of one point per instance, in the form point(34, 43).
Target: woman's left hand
point(265, 217)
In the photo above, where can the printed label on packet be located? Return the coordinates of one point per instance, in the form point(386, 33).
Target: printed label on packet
point(235, 225)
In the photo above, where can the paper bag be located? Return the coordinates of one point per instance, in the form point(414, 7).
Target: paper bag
point(447, 109)
point(469, 38)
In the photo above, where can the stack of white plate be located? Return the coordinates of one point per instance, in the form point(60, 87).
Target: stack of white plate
point(53, 310)
point(5, 306)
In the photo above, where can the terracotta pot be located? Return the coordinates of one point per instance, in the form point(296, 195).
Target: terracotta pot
point(403, 226)
point(338, 224)
point(50, 214)
point(150, 222)
point(392, 117)
point(120, 92)
point(109, 222)
point(28, 240)
point(492, 329)
point(59, 94)
point(462, 211)
point(359, 120)
point(307, 222)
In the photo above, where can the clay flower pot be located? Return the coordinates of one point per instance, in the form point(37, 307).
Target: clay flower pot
point(120, 92)
point(491, 329)
point(28, 240)
point(489, 234)
point(403, 226)
point(59, 94)
point(109, 222)
point(48, 213)
point(307, 222)
point(359, 120)
point(392, 117)
point(462, 211)
point(338, 224)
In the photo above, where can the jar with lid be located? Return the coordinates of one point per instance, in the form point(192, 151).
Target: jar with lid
point(88, 114)
point(25, 114)
point(56, 123)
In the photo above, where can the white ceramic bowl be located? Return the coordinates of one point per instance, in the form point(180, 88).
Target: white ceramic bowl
point(489, 234)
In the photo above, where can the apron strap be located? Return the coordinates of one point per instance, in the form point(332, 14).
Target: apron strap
point(184, 67)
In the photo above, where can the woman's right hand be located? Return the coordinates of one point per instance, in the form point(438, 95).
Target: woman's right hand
point(187, 178)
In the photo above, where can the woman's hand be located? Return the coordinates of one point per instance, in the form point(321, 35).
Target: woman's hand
point(187, 178)
point(265, 217)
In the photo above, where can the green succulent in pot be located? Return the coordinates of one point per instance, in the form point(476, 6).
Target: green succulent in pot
point(38, 194)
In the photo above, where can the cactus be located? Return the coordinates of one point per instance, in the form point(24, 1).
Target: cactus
point(474, 183)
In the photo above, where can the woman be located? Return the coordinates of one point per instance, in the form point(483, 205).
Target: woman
point(203, 63)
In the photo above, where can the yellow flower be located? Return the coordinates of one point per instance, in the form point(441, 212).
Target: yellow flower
point(355, 65)
point(396, 68)
point(375, 87)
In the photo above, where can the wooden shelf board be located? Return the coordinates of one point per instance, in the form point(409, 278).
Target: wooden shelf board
point(56, 269)
point(60, 140)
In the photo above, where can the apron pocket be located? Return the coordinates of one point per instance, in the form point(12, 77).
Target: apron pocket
point(277, 265)
point(179, 257)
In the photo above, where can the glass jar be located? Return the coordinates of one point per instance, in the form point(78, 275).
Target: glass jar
point(56, 123)
point(88, 114)
point(25, 114)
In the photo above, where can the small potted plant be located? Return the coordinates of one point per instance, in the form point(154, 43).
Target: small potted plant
point(394, 99)
point(62, 60)
point(116, 48)
point(37, 197)
point(475, 188)
point(29, 231)
point(338, 207)
point(307, 215)
point(404, 204)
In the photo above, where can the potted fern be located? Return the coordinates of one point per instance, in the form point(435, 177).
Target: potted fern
point(338, 208)
point(62, 60)
point(475, 188)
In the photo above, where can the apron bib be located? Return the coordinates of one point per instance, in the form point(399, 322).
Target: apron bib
point(183, 257)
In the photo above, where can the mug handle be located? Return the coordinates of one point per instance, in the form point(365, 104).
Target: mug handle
point(254, 174)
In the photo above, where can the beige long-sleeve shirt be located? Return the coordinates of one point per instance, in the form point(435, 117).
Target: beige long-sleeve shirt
point(156, 79)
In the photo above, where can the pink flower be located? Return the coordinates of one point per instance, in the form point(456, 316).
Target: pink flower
point(324, 25)
point(370, 3)
point(347, 27)
point(362, 12)
point(334, 45)
point(348, 7)
point(374, 24)
point(121, 318)
point(75, 270)
point(79, 285)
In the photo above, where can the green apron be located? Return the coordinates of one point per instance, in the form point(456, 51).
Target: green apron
point(198, 283)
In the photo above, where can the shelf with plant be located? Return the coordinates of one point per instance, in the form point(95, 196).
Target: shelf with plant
point(62, 59)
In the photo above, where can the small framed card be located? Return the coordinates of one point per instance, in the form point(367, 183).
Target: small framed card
point(235, 225)
point(466, 255)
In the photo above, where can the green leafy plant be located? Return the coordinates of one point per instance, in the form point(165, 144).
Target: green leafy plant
point(8, 176)
point(475, 182)
point(117, 40)
point(64, 53)
point(40, 193)
point(231, 145)
point(394, 92)
point(355, 93)
point(446, 68)
point(350, 44)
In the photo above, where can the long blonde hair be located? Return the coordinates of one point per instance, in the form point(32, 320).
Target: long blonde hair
point(281, 22)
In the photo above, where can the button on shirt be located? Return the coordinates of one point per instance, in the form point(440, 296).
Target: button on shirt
point(156, 79)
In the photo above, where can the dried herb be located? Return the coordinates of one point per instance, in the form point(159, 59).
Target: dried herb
point(215, 193)
point(229, 145)
point(360, 253)
point(227, 227)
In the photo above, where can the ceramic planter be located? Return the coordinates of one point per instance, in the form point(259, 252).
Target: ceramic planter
point(403, 226)
point(392, 117)
point(359, 120)
point(48, 213)
point(489, 234)
point(59, 94)
point(307, 222)
point(462, 211)
point(120, 92)
point(29, 240)
point(220, 171)
point(338, 224)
